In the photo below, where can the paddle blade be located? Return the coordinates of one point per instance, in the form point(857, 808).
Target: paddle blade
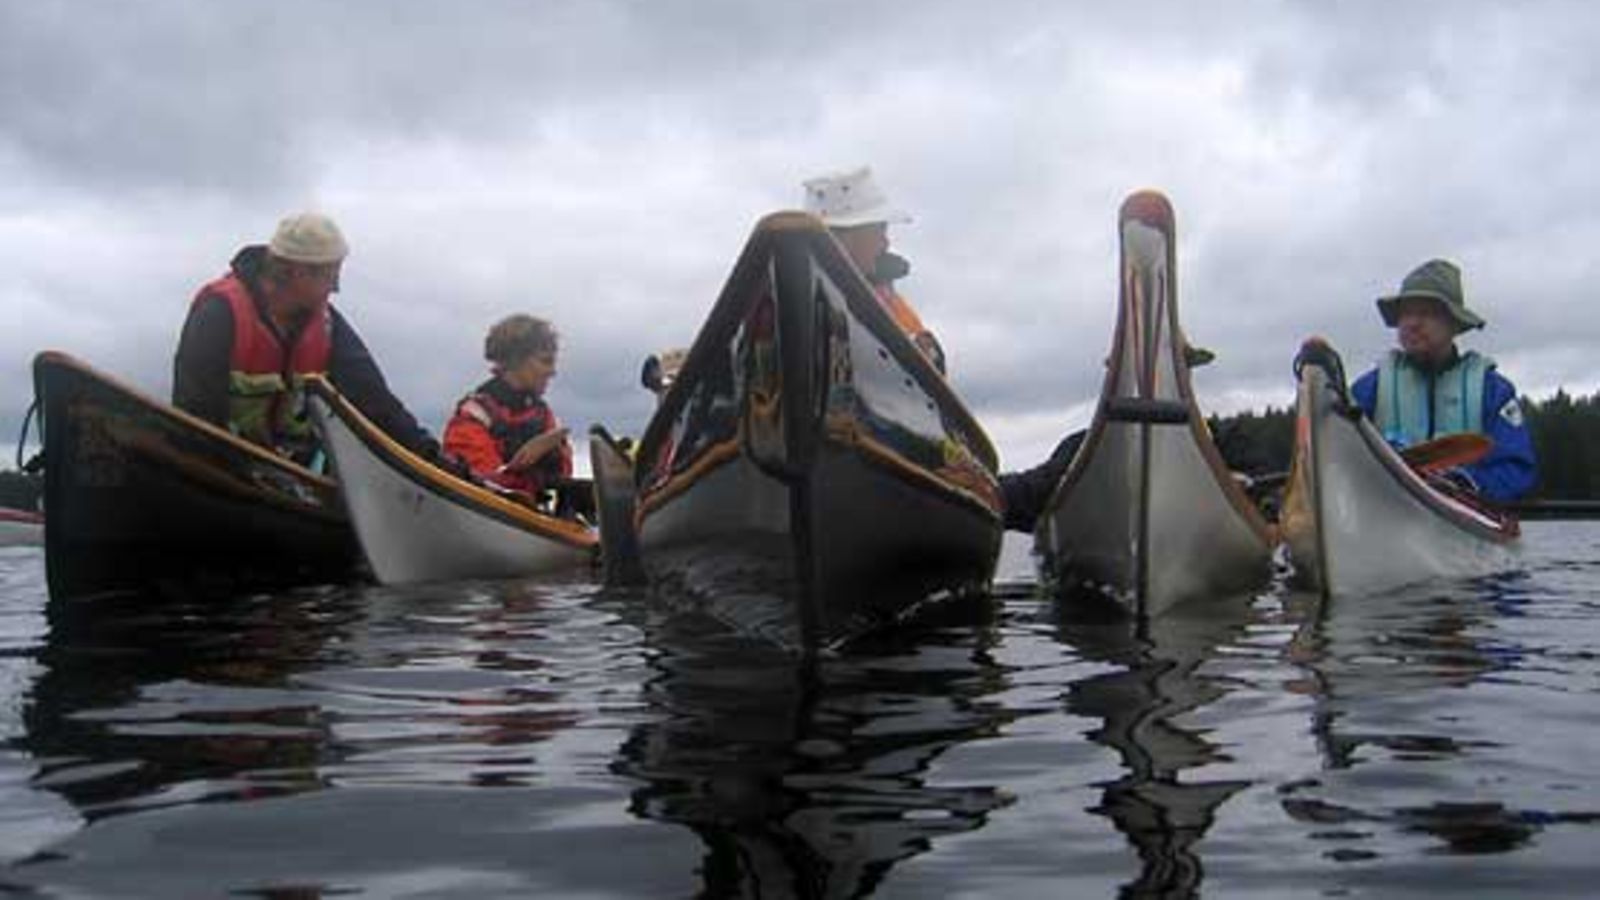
point(1447, 452)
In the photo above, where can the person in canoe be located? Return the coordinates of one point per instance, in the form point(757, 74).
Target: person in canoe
point(858, 214)
point(252, 334)
point(1427, 387)
point(504, 430)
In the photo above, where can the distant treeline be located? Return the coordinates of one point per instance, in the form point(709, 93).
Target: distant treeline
point(1566, 437)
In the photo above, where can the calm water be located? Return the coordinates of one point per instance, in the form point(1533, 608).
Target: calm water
point(520, 739)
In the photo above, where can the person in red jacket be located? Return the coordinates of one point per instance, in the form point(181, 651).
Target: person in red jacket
point(504, 431)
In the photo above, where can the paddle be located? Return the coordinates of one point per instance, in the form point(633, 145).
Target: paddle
point(1430, 456)
point(1447, 452)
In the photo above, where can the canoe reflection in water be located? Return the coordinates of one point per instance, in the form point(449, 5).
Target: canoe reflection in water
point(180, 701)
point(810, 779)
point(1376, 672)
point(1162, 678)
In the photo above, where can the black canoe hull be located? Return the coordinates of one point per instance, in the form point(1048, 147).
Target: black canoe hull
point(141, 495)
point(808, 453)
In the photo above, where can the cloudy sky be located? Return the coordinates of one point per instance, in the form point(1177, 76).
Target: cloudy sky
point(601, 163)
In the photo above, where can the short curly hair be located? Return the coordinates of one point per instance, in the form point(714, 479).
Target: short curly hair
point(518, 337)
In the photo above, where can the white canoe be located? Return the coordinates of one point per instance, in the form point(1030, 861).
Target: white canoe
point(1356, 518)
point(19, 528)
point(1147, 511)
point(418, 523)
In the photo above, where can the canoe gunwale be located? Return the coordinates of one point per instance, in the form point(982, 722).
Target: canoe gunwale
point(389, 452)
point(189, 421)
point(749, 267)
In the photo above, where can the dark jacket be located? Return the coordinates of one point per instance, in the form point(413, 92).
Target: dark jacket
point(201, 366)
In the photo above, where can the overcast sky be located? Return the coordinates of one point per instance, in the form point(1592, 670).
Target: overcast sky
point(601, 163)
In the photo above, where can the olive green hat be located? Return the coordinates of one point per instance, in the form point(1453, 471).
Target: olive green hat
point(1436, 279)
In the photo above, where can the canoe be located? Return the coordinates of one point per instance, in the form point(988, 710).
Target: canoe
point(20, 528)
point(1357, 518)
point(418, 523)
point(1147, 513)
point(140, 495)
point(615, 503)
point(807, 451)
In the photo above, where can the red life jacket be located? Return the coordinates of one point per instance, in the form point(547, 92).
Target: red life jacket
point(510, 428)
point(266, 389)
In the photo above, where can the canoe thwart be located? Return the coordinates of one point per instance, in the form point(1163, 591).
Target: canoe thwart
point(1146, 410)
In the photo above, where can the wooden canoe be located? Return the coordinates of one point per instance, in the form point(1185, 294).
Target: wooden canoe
point(419, 523)
point(139, 494)
point(808, 451)
point(1357, 518)
point(1147, 512)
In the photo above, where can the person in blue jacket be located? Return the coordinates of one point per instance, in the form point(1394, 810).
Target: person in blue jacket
point(1427, 387)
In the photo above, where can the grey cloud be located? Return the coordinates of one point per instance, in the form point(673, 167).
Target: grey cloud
point(600, 163)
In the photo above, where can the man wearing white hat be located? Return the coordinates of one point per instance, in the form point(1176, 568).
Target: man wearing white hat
point(253, 334)
point(855, 209)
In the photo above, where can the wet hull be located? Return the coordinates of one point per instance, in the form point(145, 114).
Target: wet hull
point(141, 495)
point(1147, 512)
point(615, 502)
point(417, 523)
point(809, 473)
point(1358, 520)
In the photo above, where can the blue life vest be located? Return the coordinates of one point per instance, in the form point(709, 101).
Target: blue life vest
point(1403, 408)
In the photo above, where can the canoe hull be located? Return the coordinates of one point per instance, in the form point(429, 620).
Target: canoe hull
point(808, 453)
point(1358, 520)
point(417, 523)
point(735, 544)
point(1148, 513)
point(142, 495)
point(615, 503)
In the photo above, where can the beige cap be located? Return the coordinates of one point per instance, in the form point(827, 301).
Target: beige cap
point(309, 238)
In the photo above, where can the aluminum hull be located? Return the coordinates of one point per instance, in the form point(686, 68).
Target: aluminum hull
point(1148, 512)
point(1357, 519)
point(417, 523)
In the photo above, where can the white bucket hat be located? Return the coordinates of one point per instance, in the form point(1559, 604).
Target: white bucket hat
point(847, 199)
point(309, 238)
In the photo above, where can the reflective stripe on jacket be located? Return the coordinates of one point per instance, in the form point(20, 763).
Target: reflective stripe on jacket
point(1416, 406)
point(266, 389)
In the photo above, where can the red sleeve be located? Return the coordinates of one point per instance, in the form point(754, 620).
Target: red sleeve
point(467, 438)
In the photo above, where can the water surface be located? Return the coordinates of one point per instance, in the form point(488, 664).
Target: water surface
point(561, 739)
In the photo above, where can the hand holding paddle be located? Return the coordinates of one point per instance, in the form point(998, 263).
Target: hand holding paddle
point(1447, 452)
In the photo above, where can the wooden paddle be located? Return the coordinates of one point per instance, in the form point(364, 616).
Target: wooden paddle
point(1447, 452)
